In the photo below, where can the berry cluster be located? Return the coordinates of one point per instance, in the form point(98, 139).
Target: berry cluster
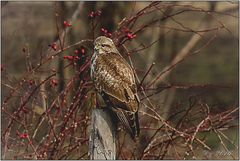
point(129, 34)
point(22, 135)
point(94, 14)
point(74, 58)
point(53, 46)
point(53, 83)
point(106, 33)
point(66, 24)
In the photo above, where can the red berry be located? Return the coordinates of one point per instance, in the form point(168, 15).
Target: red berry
point(130, 36)
point(76, 51)
point(91, 14)
point(76, 57)
point(66, 24)
point(23, 135)
point(82, 50)
point(30, 82)
point(104, 30)
point(53, 83)
point(98, 13)
point(70, 57)
point(53, 46)
point(109, 34)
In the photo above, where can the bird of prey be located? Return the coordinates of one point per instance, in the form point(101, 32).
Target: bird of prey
point(114, 80)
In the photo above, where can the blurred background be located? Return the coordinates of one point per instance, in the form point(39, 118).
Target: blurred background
point(211, 74)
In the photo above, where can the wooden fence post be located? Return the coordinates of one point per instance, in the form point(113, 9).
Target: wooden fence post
point(102, 141)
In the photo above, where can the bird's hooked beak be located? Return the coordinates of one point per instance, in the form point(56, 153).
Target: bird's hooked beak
point(96, 47)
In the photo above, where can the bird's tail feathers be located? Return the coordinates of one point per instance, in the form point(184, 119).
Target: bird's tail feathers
point(129, 121)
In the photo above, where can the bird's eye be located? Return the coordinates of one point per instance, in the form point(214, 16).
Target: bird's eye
point(105, 45)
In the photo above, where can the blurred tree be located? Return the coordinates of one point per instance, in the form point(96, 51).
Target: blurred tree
point(62, 11)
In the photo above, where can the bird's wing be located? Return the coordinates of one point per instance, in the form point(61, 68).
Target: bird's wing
point(115, 77)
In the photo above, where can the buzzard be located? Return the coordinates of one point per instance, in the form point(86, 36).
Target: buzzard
point(115, 82)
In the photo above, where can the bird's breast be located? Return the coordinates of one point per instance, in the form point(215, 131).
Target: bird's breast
point(93, 65)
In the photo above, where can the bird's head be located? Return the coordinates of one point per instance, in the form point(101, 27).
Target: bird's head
point(103, 44)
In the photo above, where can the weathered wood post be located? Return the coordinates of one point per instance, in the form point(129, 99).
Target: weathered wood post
point(102, 141)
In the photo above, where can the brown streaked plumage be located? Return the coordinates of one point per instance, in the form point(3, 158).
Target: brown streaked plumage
point(114, 80)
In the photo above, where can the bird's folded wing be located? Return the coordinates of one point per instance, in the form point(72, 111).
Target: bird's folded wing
point(115, 77)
